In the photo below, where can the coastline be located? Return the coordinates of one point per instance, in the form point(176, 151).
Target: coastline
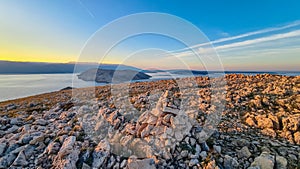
point(261, 119)
point(20, 86)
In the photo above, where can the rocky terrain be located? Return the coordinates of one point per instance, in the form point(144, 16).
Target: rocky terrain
point(222, 123)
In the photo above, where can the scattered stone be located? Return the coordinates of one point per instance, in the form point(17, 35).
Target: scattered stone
point(101, 153)
point(28, 151)
point(212, 165)
point(250, 121)
point(259, 126)
point(133, 163)
point(203, 155)
point(263, 122)
point(184, 153)
point(7, 160)
point(41, 122)
point(21, 160)
point(244, 152)
point(53, 148)
point(2, 148)
point(26, 138)
point(217, 149)
point(123, 164)
point(264, 161)
point(269, 132)
point(281, 162)
point(193, 162)
point(67, 155)
point(230, 162)
point(13, 129)
point(297, 137)
point(85, 166)
point(14, 121)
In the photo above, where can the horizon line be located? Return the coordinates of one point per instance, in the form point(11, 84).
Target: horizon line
point(230, 70)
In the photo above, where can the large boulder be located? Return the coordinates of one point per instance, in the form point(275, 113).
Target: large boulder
point(264, 161)
point(101, 153)
point(291, 123)
point(297, 137)
point(68, 154)
point(134, 163)
point(263, 122)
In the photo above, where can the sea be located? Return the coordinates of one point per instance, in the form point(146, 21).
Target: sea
point(23, 85)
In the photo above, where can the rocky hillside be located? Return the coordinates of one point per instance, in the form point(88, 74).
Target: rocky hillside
point(237, 122)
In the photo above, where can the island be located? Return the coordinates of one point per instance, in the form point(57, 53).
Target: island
point(108, 75)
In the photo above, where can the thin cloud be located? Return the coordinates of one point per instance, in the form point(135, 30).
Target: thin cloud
point(238, 45)
point(296, 23)
point(260, 40)
point(267, 30)
point(86, 9)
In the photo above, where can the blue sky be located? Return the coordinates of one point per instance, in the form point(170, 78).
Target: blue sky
point(252, 35)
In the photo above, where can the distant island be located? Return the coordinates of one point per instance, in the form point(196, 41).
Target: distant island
point(11, 67)
point(108, 76)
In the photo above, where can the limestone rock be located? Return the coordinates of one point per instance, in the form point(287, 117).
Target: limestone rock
point(263, 122)
point(230, 163)
point(264, 161)
point(21, 160)
point(281, 162)
point(67, 155)
point(291, 123)
point(41, 122)
point(2, 148)
point(297, 137)
point(211, 165)
point(7, 160)
point(193, 162)
point(269, 132)
point(244, 152)
point(250, 121)
point(101, 153)
point(217, 149)
point(138, 164)
point(53, 148)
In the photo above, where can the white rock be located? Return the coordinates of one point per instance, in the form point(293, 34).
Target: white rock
point(193, 162)
point(244, 152)
point(230, 162)
point(13, 129)
point(67, 155)
point(264, 161)
point(101, 153)
point(203, 155)
point(281, 162)
point(21, 160)
point(123, 163)
point(41, 122)
point(217, 149)
point(141, 164)
point(184, 153)
point(2, 148)
point(170, 110)
point(85, 166)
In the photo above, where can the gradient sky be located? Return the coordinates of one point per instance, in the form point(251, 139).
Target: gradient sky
point(252, 35)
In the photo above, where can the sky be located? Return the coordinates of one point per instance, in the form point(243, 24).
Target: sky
point(244, 35)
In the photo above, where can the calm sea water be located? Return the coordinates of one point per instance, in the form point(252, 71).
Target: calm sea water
point(18, 86)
